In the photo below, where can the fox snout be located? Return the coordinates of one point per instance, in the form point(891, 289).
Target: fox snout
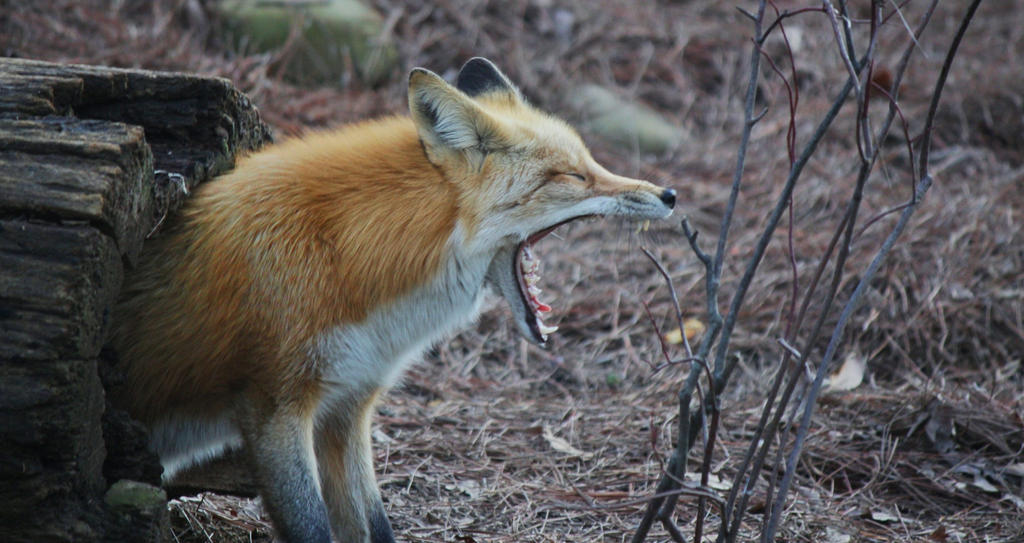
point(644, 201)
point(635, 199)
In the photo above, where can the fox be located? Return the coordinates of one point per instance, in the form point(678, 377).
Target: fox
point(290, 293)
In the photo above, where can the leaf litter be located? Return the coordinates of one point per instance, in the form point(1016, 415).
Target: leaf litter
point(490, 439)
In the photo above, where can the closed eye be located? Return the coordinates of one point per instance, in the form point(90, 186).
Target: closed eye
point(577, 176)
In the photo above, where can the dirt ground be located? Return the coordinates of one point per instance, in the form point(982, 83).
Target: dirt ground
point(490, 439)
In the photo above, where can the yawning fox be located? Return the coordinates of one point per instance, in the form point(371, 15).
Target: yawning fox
point(291, 292)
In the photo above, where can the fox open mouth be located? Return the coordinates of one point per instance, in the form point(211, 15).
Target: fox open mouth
point(526, 273)
point(515, 271)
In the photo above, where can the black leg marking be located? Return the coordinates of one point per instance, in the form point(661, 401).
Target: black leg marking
point(380, 527)
point(281, 455)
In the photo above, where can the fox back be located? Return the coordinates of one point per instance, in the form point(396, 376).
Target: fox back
point(291, 292)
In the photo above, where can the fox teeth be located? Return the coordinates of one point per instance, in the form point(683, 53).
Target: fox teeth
point(527, 260)
point(529, 266)
point(545, 329)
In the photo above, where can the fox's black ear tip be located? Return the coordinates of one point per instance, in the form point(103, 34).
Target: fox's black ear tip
point(480, 76)
point(478, 62)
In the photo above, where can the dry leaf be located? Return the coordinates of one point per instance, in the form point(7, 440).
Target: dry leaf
point(984, 484)
point(939, 534)
point(693, 327)
point(883, 516)
point(850, 374)
point(939, 428)
point(833, 535)
point(1015, 500)
point(563, 446)
point(468, 487)
point(714, 481)
point(1016, 469)
point(717, 483)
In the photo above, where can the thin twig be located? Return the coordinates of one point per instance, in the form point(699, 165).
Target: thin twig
point(677, 463)
point(854, 302)
point(830, 13)
point(675, 299)
point(829, 299)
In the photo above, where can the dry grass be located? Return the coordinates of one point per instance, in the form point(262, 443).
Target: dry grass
point(493, 440)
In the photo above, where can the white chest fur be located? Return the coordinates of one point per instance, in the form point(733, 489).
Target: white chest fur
point(373, 354)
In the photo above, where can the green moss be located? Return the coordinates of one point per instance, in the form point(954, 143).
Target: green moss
point(133, 495)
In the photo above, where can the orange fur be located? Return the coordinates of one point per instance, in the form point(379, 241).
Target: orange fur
point(295, 240)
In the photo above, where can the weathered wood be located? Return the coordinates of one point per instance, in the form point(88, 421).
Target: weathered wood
point(91, 158)
point(52, 450)
point(94, 171)
point(39, 96)
point(57, 288)
point(195, 126)
point(128, 456)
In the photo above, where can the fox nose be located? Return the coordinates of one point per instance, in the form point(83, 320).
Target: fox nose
point(668, 197)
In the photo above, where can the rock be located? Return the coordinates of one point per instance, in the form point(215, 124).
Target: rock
point(623, 122)
point(128, 496)
point(332, 35)
point(138, 512)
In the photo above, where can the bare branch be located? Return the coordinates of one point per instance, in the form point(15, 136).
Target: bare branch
point(854, 302)
point(792, 359)
point(691, 236)
point(841, 43)
point(675, 299)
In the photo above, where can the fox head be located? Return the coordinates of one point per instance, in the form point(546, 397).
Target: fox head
point(519, 174)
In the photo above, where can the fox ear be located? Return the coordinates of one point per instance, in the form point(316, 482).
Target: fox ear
point(445, 117)
point(480, 76)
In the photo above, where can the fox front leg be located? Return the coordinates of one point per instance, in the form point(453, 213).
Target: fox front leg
point(346, 471)
point(279, 441)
